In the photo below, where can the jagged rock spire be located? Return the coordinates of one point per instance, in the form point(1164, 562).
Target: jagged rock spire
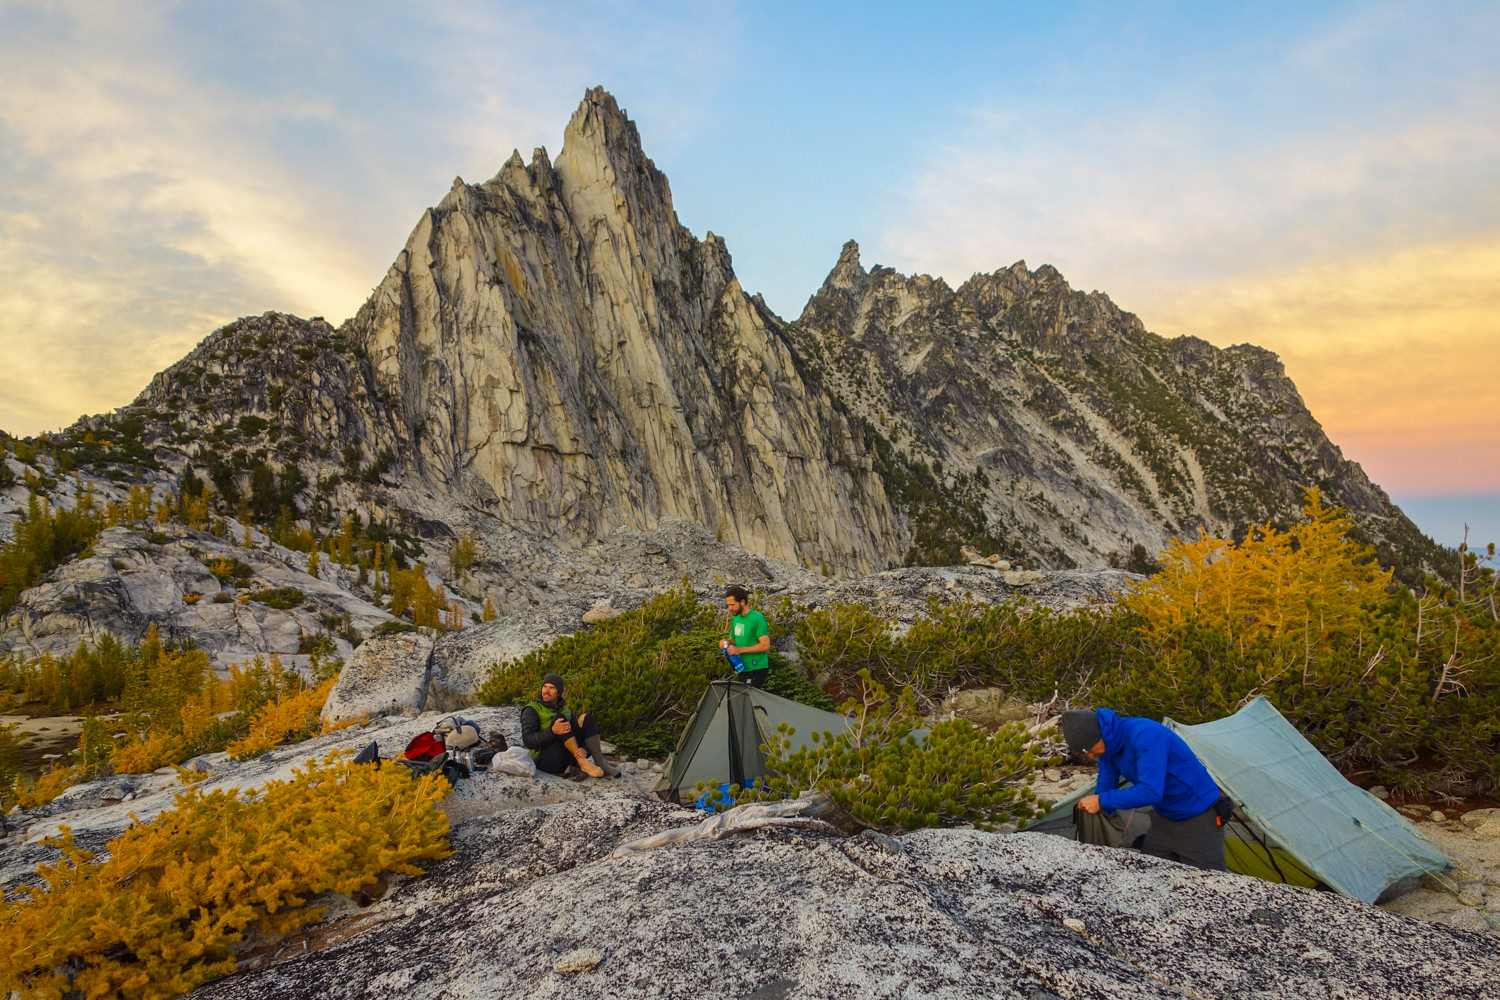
point(848, 273)
point(561, 347)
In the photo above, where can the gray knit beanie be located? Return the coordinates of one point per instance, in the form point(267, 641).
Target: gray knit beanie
point(1080, 729)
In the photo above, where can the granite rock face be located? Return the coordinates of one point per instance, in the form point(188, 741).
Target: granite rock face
point(557, 347)
point(950, 913)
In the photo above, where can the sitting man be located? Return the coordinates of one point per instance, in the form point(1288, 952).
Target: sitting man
point(1163, 773)
point(558, 739)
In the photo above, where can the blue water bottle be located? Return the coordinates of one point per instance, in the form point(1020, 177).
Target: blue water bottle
point(735, 662)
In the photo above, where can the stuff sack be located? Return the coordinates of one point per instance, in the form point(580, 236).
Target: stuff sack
point(514, 760)
point(424, 747)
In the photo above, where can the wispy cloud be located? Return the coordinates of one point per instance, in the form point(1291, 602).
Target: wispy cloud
point(1395, 353)
point(169, 167)
point(1340, 209)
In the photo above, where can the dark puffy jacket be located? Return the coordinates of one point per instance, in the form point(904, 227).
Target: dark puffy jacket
point(535, 733)
point(1163, 772)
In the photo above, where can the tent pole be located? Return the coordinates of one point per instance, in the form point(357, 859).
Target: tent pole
point(736, 758)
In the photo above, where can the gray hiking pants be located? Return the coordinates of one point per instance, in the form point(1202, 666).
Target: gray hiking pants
point(1198, 841)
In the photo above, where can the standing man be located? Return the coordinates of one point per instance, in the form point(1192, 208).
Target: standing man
point(749, 638)
point(1164, 774)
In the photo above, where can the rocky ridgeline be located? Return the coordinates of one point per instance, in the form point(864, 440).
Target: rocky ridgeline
point(542, 896)
point(1081, 433)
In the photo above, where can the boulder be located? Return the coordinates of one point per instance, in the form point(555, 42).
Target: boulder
point(462, 660)
point(986, 707)
point(601, 612)
point(1483, 821)
point(386, 675)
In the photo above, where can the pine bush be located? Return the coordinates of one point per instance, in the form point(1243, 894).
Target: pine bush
point(161, 915)
point(880, 775)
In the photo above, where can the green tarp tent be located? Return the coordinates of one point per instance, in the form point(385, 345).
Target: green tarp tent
point(723, 739)
point(1297, 819)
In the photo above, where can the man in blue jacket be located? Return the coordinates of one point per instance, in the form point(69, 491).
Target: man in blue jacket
point(1163, 773)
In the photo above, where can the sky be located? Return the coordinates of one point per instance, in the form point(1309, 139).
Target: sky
point(1320, 179)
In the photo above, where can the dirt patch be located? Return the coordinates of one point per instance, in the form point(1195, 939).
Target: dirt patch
point(1469, 895)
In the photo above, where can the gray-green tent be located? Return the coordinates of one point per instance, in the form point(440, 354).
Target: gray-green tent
point(1297, 819)
point(723, 739)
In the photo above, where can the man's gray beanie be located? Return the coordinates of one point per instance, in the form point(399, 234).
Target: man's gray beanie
point(1080, 729)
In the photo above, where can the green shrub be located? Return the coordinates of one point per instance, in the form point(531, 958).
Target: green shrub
point(393, 628)
point(1025, 648)
point(280, 598)
point(251, 425)
point(227, 570)
point(789, 682)
point(640, 675)
point(879, 775)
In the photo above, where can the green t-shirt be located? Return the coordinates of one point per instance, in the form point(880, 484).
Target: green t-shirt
point(746, 630)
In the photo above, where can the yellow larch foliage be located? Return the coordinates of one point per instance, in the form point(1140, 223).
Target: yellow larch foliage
point(294, 717)
point(172, 737)
point(160, 916)
point(197, 713)
point(410, 591)
point(148, 751)
point(195, 512)
point(1294, 587)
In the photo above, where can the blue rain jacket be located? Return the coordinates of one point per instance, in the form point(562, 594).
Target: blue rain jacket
point(1163, 773)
